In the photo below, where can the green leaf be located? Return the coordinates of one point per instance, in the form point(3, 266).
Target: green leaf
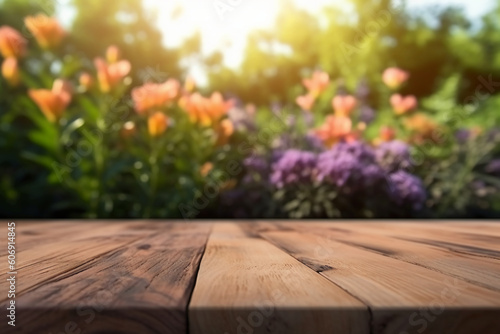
point(45, 140)
point(39, 159)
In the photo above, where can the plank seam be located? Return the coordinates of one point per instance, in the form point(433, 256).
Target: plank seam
point(449, 246)
point(370, 311)
point(197, 271)
point(353, 244)
point(489, 287)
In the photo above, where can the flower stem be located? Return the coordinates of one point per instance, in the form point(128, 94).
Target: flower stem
point(153, 182)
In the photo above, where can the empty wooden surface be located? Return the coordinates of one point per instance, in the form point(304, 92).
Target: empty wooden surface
point(255, 277)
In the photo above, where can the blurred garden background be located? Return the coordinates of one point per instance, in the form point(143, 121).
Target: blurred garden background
point(249, 109)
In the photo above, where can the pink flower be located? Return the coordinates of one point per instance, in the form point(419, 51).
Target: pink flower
point(47, 30)
point(306, 102)
point(207, 111)
point(12, 43)
point(344, 105)
point(86, 81)
point(109, 75)
point(394, 77)
point(317, 83)
point(53, 102)
point(387, 133)
point(402, 105)
point(334, 129)
point(154, 96)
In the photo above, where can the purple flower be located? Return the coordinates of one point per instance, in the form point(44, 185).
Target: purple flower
point(255, 163)
point(493, 134)
point(293, 167)
point(462, 135)
point(350, 163)
point(283, 142)
point(363, 90)
point(313, 143)
point(407, 189)
point(242, 120)
point(257, 168)
point(493, 167)
point(367, 114)
point(393, 155)
point(308, 119)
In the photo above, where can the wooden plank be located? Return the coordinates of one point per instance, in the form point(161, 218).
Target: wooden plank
point(439, 235)
point(80, 244)
point(247, 285)
point(143, 287)
point(475, 227)
point(29, 234)
point(403, 298)
point(475, 269)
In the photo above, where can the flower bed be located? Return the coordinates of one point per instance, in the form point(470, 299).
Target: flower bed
point(88, 141)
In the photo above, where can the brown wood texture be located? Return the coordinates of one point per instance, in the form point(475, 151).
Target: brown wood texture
point(139, 286)
point(245, 284)
point(255, 277)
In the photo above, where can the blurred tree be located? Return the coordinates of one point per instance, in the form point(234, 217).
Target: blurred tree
point(126, 24)
point(361, 40)
point(12, 12)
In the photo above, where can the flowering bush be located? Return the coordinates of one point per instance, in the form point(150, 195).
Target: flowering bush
point(361, 160)
point(83, 139)
point(100, 147)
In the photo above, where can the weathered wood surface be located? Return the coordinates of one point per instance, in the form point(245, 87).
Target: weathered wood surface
point(239, 273)
point(139, 286)
point(256, 277)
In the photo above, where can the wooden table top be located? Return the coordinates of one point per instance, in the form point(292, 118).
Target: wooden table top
point(255, 277)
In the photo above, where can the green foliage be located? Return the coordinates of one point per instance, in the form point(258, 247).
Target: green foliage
point(85, 165)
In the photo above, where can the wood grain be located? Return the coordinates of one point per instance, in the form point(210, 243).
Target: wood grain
point(143, 287)
point(76, 245)
point(440, 235)
point(247, 285)
point(475, 269)
point(397, 291)
point(256, 277)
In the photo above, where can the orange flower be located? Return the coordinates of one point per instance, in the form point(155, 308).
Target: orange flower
point(394, 77)
point(224, 131)
point(12, 43)
point(402, 105)
point(189, 85)
point(423, 129)
point(53, 102)
point(109, 75)
point(206, 168)
point(205, 111)
point(112, 54)
point(153, 96)
point(317, 83)
point(194, 105)
point(334, 129)
point(47, 31)
point(157, 124)
point(420, 123)
point(10, 71)
point(387, 133)
point(217, 107)
point(305, 102)
point(344, 105)
point(86, 81)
